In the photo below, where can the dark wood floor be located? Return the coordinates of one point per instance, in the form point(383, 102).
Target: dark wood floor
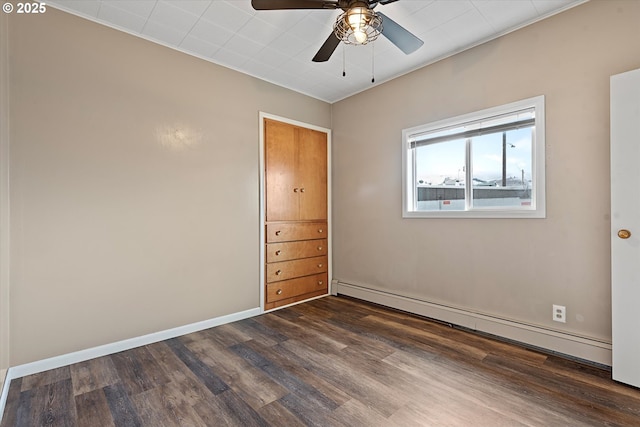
point(329, 362)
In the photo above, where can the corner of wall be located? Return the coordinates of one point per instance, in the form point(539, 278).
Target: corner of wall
point(4, 193)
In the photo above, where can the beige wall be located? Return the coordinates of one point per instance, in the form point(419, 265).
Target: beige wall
point(116, 229)
point(514, 269)
point(116, 233)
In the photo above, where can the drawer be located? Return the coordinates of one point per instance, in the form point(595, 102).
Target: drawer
point(278, 271)
point(289, 231)
point(277, 252)
point(290, 288)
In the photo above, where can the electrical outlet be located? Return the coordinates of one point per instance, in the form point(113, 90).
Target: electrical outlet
point(560, 313)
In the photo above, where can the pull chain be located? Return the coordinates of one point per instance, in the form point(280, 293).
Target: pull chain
point(373, 76)
point(344, 73)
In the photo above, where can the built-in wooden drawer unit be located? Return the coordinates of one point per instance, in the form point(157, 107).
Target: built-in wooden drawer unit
point(295, 268)
point(291, 288)
point(277, 252)
point(291, 231)
point(296, 215)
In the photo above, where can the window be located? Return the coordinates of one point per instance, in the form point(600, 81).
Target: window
point(487, 164)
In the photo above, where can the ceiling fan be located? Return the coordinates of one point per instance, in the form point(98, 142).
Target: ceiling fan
point(358, 24)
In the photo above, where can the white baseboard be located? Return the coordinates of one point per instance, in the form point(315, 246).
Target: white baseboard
point(104, 350)
point(4, 389)
point(576, 346)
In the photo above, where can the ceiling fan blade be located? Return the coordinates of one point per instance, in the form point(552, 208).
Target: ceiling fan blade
point(327, 48)
point(374, 3)
point(399, 36)
point(293, 4)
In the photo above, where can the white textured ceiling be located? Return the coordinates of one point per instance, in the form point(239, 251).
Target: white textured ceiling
point(277, 46)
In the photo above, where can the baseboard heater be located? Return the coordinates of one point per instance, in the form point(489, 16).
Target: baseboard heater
point(584, 348)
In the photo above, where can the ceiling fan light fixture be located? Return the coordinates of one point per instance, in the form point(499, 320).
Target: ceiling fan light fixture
point(358, 25)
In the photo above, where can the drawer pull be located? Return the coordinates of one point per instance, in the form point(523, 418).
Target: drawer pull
point(319, 282)
point(278, 253)
point(319, 265)
point(295, 190)
point(302, 190)
point(279, 292)
point(278, 232)
point(319, 248)
point(279, 272)
point(319, 230)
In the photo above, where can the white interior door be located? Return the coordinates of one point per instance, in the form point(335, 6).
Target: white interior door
point(625, 226)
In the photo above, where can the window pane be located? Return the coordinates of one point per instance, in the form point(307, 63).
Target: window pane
point(502, 169)
point(484, 164)
point(440, 176)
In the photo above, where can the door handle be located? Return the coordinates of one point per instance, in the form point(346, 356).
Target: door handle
point(624, 234)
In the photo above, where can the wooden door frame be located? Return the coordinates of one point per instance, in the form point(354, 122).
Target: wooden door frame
point(262, 116)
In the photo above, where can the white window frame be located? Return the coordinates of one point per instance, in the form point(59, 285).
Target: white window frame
point(538, 205)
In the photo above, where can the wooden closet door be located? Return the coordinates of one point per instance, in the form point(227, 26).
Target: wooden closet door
point(281, 156)
point(312, 173)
